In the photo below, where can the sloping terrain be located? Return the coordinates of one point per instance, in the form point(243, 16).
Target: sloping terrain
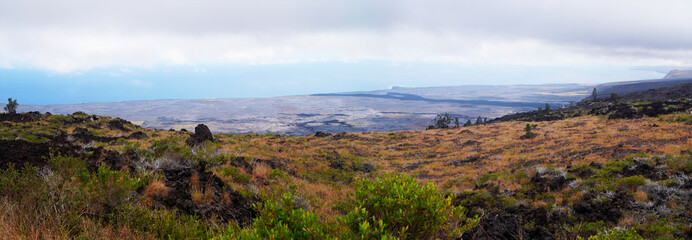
point(624, 88)
point(87, 176)
point(652, 103)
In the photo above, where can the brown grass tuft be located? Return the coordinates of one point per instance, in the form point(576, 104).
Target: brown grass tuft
point(157, 188)
point(641, 196)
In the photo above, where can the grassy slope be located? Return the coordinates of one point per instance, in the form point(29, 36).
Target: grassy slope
point(476, 160)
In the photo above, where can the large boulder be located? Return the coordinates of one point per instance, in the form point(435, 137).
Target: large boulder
point(202, 133)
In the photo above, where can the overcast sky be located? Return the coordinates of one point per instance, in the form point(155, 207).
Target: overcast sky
point(299, 47)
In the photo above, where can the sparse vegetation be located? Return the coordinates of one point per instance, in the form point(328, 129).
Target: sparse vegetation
point(578, 177)
point(442, 121)
point(11, 106)
point(528, 131)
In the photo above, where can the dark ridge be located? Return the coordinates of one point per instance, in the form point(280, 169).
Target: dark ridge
point(605, 90)
point(652, 102)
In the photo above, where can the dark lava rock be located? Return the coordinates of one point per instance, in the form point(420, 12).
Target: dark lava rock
point(496, 225)
point(549, 181)
point(365, 167)
point(414, 166)
point(118, 124)
point(622, 111)
point(609, 211)
point(226, 204)
point(202, 133)
point(337, 164)
point(510, 224)
point(83, 135)
point(644, 169)
point(138, 135)
point(110, 159)
point(20, 117)
point(81, 131)
point(18, 153)
point(470, 159)
point(470, 143)
point(322, 134)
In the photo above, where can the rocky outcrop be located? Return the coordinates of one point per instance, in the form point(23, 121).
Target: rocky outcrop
point(222, 202)
point(202, 134)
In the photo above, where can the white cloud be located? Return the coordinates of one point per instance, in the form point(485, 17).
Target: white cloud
point(72, 36)
point(140, 83)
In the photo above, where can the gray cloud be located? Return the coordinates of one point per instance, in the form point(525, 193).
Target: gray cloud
point(71, 35)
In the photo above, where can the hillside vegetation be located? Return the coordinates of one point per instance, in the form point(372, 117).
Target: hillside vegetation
point(92, 177)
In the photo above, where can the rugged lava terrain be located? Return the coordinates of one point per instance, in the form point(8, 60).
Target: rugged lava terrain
point(91, 177)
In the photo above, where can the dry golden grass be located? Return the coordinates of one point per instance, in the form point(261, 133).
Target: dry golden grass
point(202, 195)
point(156, 188)
point(428, 155)
point(641, 196)
point(16, 223)
point(444, 156)
point(629, 219)
point(194, 180)
point(260, 172)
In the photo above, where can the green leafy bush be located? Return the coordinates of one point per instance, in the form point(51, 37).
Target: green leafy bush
point(395, 205)
point(631, 183)
point(235, 173)
point(282, 220)
point(617, 234)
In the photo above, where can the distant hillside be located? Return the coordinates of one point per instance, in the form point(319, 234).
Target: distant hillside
point(370, 111)
point(652, 102)
point(678, 74)
point(623, 88)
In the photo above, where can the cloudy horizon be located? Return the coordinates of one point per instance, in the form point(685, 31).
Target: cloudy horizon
point(274, 48)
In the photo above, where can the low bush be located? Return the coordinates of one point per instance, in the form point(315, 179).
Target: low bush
point(617, 234)
point(280, 220)
point(631, 183)
point(395, 205)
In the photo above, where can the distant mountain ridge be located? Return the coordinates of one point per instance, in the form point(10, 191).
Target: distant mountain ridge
point(678, 74)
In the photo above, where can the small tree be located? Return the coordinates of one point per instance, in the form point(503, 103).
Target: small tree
point(11, 106)
point(614, 97)
point(442, 121)
point(468, 123)
point(527, 131)
point(547, 107)
point(594, 95)
point(479, 120)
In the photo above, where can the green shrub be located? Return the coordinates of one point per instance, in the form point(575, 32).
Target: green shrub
point(277, 174)
point(61, 119)
point(235, 173)
point(617, 234)
point(681, 163)
point(658, 229)
point(281, 220)
point(396, 205)
point(162, 224)
point(631, 183)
